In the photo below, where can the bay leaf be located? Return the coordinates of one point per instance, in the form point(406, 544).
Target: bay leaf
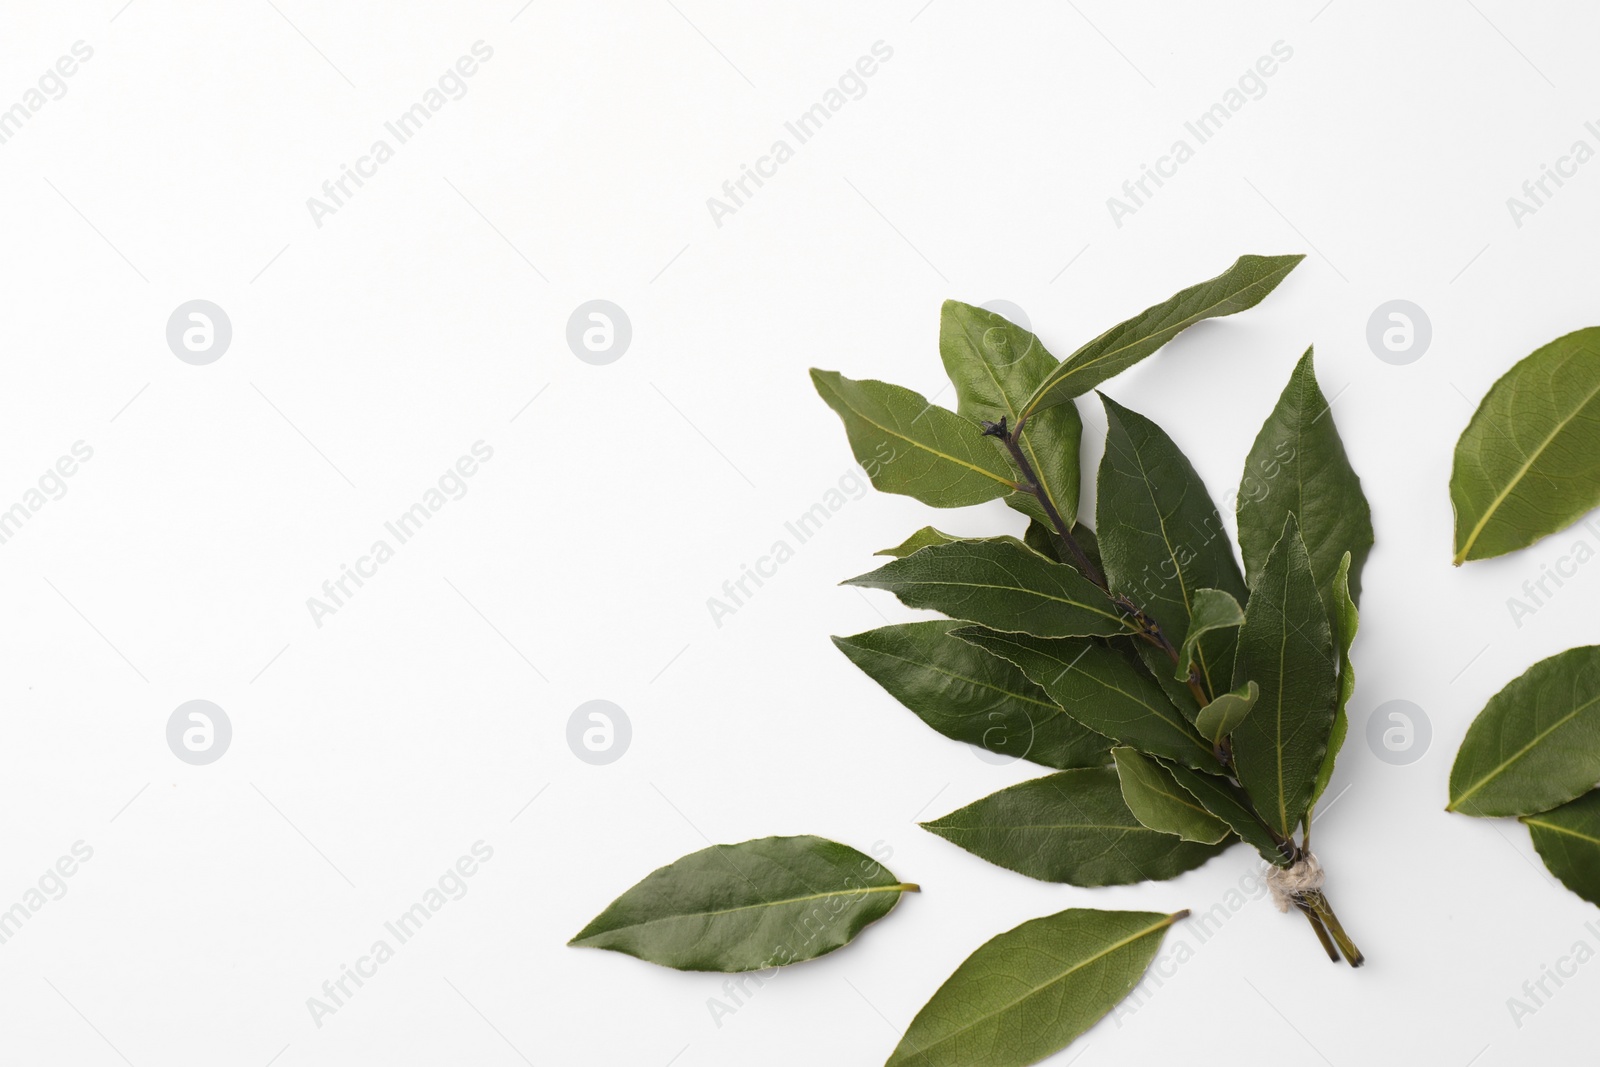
point(969, 695)
point(1227, 802)
point(1525, 465)
point(748, 907)
point(1568, 840)
point(1030, 992)
point(1001, 584)
point(1347, 620)
point(914, 448)
point(1240, 287)
point(1211, 609)
point(1536, 744)
point(1219, 718)
point(1159, 802)
point(1071, 826)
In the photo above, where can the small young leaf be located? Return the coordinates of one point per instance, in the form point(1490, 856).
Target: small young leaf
point(1159, 802)
point(915, 448)
point(1001, 584)
point(969, 695)
point(1568, 840)
point(1219, 718)
point(1073, 827)
point(995, 366)
point(1224, 800)
point(1348, 620)
point(1285, 647)
point(1524, 467)
point(1103, 688)
point(921, 539)
point(748, 907)
point(1240, 287)
point(1211, 609)
point(1161, 537)
point(1031, 991)
point(1298, 467)
point(1536, 745)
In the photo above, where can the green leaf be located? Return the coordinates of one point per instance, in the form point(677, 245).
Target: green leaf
point(1222, 798)
point(1031, 991)
point(1347, 621)
point(1159, 802)
point(1222, 716)
point(1072, 826)
point(1212, 609)
point(1041, 537)
point(1524, 466)
point(1161, 537)
point(748, 907)
point(1536, 745)
point(1001, 584)
point(1285, 647)
point(1240, 287)
point(921, 539)
point(995, 366)
point(1298, 467)
point(969, 695)
point(1568, 840)
point(915, 448)
point(1103, 688)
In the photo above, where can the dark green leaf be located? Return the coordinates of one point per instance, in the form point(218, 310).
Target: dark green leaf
point(969, 695)
point(1041, 537)
point(912, 447)
point(1031, 991)
point(1286, 648)
point(1002, 584)
point(1224, 800)
point(995, 366)
point(1525, 465)
point(1159, 802)
point(1536, 745)
point(1161, 537)
point(1298, 467)
point(1219, 718)
point(748, 907)
point(1102, 687)
point(1347, 621)
point(921, 539)
point(1211, 609)
point(1072, 826)
point(1568, 840)
point(1240, 287)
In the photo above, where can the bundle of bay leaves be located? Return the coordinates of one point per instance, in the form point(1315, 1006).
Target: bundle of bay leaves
point(1182, 704)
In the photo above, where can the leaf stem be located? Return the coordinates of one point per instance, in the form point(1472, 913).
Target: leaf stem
point(1318, 903)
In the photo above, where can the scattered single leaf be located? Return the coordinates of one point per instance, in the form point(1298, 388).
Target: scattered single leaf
point(748, 907)
point(1298, 467)
point(969, 695)
point(1002, 584)
point(1211, 609)
point(1536, 744)
point(1031, 991)
point(1161, 537)
point(1286, 648)
point(1524, 466)
point(1102, 687)
point(1219, 718)
point(915, 448)
point(1568, 840)
point(1071, 826)
point(1159, 802)
point(1240, 287)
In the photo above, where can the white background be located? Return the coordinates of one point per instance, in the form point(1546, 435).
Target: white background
point(372, 351)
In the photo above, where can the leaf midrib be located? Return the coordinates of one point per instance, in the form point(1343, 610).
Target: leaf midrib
point(864, 417)
point(900, 887)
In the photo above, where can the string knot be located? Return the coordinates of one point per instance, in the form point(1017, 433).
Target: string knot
point(1288, 884)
